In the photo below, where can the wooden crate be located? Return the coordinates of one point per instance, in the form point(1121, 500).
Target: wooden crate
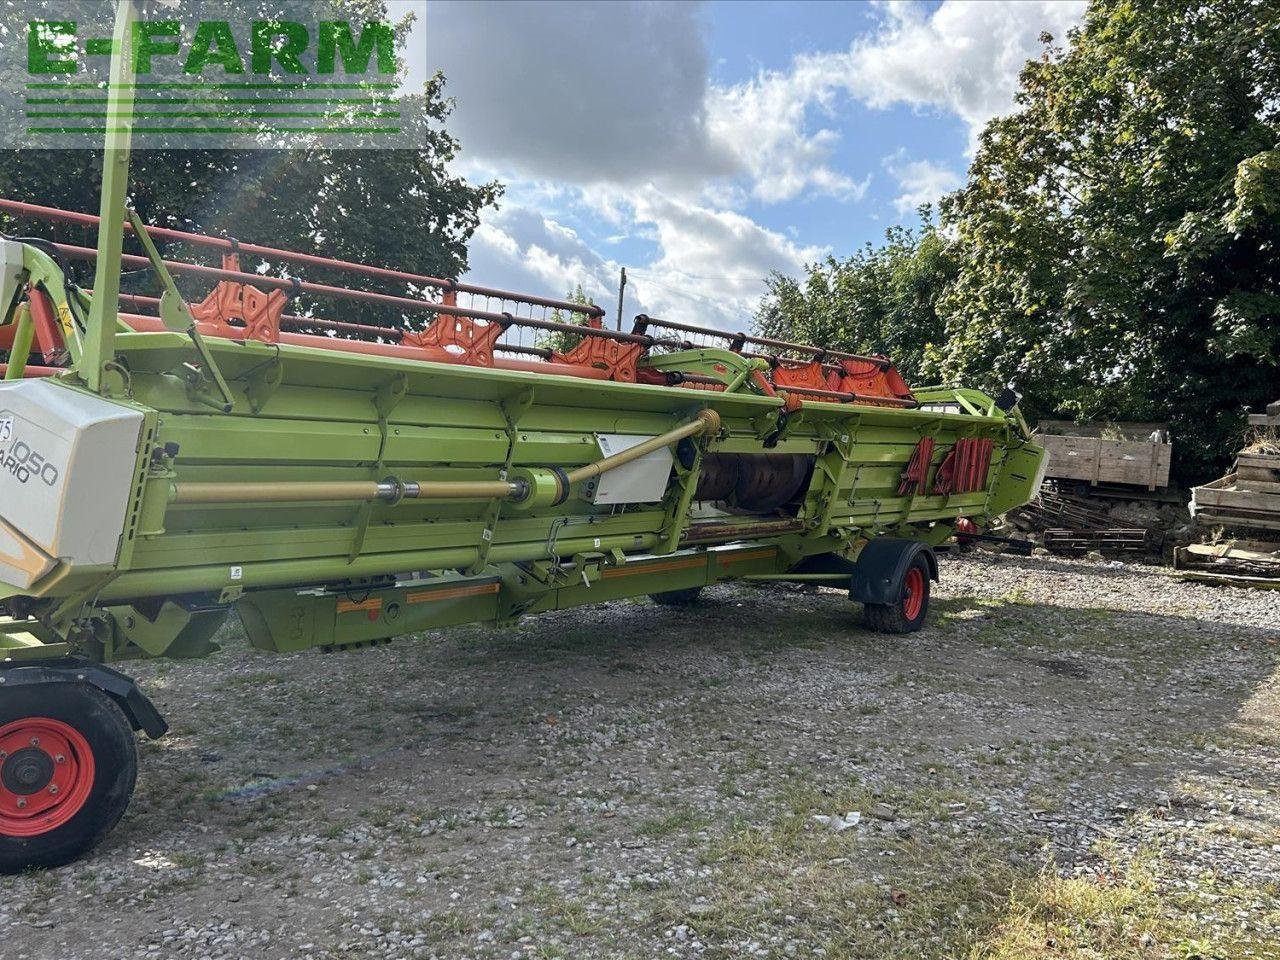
point(1139, 463)
point(1269, 419)
point(1224, 502)
point(1259, 472)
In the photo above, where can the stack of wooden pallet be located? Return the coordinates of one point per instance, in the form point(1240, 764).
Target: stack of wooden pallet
point(1073, 525)
point(1054, 509)
point(1249, 497)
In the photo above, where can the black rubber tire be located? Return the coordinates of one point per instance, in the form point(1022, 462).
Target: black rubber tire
point(677, 598)
point(892, 617)
point(115, 758)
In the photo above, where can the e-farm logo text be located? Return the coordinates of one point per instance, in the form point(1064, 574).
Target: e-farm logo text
point(262, 78)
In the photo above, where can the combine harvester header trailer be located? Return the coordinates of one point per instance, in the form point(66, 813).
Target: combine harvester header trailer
point(336, 482)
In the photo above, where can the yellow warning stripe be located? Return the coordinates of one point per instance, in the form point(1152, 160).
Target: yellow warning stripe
point(634, 568)
point(426, 596)
point(351, 606)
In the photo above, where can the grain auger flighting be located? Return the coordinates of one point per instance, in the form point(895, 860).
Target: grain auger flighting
point(166, 463)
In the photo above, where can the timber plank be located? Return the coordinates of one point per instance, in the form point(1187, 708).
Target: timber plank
point(1233, 497)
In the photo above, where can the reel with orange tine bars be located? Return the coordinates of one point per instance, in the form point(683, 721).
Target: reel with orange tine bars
point(828, 375)
point(239, 309)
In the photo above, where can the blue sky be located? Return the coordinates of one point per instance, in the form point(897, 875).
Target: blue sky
point(702, 145)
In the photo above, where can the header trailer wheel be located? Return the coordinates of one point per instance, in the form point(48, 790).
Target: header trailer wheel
point(892, 580)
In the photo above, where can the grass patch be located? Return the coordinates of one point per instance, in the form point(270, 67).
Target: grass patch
point(1118, 912)
point(685, 821)
point(865, 892)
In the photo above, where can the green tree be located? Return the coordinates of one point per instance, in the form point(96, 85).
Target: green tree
point(1118, 239)
point(880, 300)
point(390, 207)
point(563, 341)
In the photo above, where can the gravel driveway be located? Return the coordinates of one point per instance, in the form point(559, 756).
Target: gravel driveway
point(1071, 760)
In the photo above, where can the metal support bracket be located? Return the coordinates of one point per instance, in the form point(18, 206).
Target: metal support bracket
point(835, 466)
point(262, 382)
point(385, 399)
point(687, 476)
point(175, 312)
point(513, 410)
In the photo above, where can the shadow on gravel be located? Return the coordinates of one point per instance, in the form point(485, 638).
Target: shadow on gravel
point(695, 750)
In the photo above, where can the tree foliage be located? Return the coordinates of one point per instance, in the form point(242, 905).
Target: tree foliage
point(561, 340)
point(391, 207)
point(880, 300)
point(1117, 236)
point(1115, 251)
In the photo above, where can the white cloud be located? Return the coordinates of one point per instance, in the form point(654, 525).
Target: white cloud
point(605, 110)
point(713, 262)
point(617, 93)
point(964, 57)
point(517, 248)
point(585, 92)
point(764, 123)
point(709, 269)
point(921, 181)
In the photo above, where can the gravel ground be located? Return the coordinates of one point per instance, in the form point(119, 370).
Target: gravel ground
point(1071, 760)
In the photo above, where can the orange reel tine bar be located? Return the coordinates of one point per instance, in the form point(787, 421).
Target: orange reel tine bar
point(36, 211)
point(367, 296)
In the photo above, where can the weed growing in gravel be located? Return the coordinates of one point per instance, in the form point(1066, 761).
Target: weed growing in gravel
point(875, 890)
point(685, 821)
point(1119, 912)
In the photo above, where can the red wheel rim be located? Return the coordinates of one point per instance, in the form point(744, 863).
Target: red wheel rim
point(913, 588)
point(46, 774)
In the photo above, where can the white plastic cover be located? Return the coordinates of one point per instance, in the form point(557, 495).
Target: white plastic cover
point(67, 463)
point(640, 481)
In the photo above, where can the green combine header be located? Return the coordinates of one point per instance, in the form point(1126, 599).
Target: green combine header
point(166, 463)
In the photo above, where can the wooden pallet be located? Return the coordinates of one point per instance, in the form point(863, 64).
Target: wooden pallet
point(1052, 509)
point(1269, 419)
point(1238, 563)
point(1259, 472)
point(1240, 557)
point(1109, 540)
point(1229, 579)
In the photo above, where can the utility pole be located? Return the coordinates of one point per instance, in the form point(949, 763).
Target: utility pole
point(622, 288)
